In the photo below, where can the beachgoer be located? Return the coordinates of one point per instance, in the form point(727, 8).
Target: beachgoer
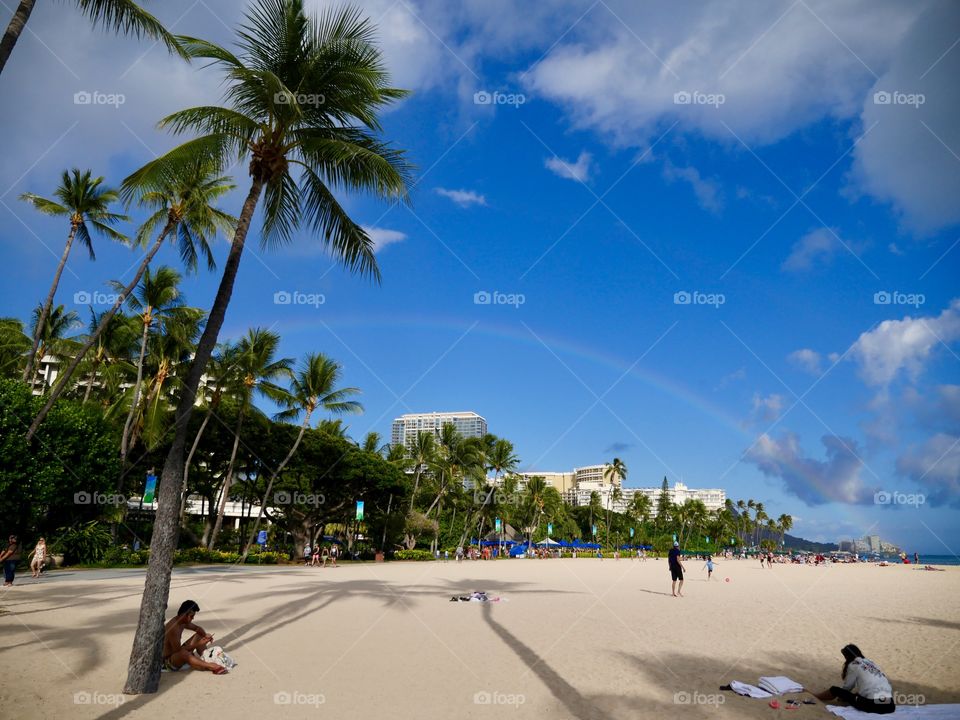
point(315, 558)
point(177, 654)
point(39, 554)
point(865, 687)
point(709, 567)
point(761, 559)
point(307, 554)
point(916, 558)
point(334, 553)
point(460, 553)
point(10, 557)
point(676, 570)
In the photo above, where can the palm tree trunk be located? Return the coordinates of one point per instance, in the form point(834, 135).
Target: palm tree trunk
point(86, 393)
point(186, 465)
point(273, 476)
point(128, 425)
point(227, 482)
point(143, 672)
point(17, 23)
point(65, 376)
point(416, 483)
point(48, 303)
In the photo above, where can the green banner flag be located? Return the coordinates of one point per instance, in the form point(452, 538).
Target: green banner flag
point(359, 510)
point(151, 489)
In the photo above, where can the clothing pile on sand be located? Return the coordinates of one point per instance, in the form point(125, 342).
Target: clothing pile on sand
point(476, 596)
point(768, 687)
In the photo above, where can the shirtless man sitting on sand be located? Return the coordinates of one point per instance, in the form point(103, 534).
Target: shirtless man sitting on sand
point(177, 654)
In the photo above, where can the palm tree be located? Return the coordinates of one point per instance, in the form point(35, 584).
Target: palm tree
point(284, 56)
point(640, 507)
point(260, 371)
point(157, 300)
point(182, 201)
point(372, 442)
point(614, 473)
point(51, 340)
point(423, 452)
point(785, 524)
point(123, 16)
point(111, 347)
point(595, 507)
point(79, 198)
point(223, 380)
point(14, 346)
point(314, 386)
point(759, 516)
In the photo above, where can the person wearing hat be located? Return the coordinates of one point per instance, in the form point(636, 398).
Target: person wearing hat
point(865, 687)
point(676, 570)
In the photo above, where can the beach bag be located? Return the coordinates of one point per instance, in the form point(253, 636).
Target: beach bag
point(216, 655)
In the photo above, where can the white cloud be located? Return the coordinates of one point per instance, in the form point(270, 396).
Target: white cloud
point(463, 198)
point(935, 466)
point(908, 157)
point(816, 247)
point(806, 359)
point(767, 409)
point(382, 237)
point(904, 345)
point(579, 170)
point(708, 192)
point(816, 482)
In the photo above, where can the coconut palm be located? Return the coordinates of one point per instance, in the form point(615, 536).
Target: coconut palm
point(157, 300)
point(759, 517)
point(373, 443)
point(785, 524)
point(423, 452)
point(313, 387)
point(81, 199)
point(112, 348)
point(52, 339)
point(14, 346)
point(260, 370)
point(223, 380)
point(284, 57)
point(122, 16)
point(640, 507)
point(182, 205)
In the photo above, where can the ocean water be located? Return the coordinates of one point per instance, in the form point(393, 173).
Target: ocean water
point(938, 560)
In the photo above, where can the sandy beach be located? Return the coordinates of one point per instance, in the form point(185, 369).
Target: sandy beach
point(571, 639)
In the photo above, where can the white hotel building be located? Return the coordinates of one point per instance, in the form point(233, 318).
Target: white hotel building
point(406, 427)
point(576, 487)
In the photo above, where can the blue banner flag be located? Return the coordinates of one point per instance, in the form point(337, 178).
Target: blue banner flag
point(631, 532)
point(151, 489)
point(262, 537)
point(549, 528)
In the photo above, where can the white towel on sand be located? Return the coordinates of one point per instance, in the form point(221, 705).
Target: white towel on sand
point(780, 685)
point(748, 690)
point(912, 712)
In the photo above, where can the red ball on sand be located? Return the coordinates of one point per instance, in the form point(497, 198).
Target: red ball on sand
point(726, 579)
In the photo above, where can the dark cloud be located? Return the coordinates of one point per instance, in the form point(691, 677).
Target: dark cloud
point(617, 447)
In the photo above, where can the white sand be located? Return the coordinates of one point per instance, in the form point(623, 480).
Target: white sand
point(575, 639)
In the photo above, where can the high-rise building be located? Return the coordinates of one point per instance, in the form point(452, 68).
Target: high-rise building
point(406, 427)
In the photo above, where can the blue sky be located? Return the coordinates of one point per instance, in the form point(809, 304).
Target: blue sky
point(628, 161)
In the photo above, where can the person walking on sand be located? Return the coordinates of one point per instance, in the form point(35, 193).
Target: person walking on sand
point(39, 554)
point(709, 567)
point(178, 654)
point(865, 687)
point(10, 557)
point(676, 570)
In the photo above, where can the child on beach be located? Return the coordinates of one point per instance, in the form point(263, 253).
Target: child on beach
point(709, 567)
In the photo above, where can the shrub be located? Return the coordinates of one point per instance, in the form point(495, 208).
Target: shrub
point(86, 543)
point(413, 555)
point(266, 558)
point(124, 556)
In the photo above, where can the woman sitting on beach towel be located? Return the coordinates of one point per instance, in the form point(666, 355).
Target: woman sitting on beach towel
point(865, 687)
